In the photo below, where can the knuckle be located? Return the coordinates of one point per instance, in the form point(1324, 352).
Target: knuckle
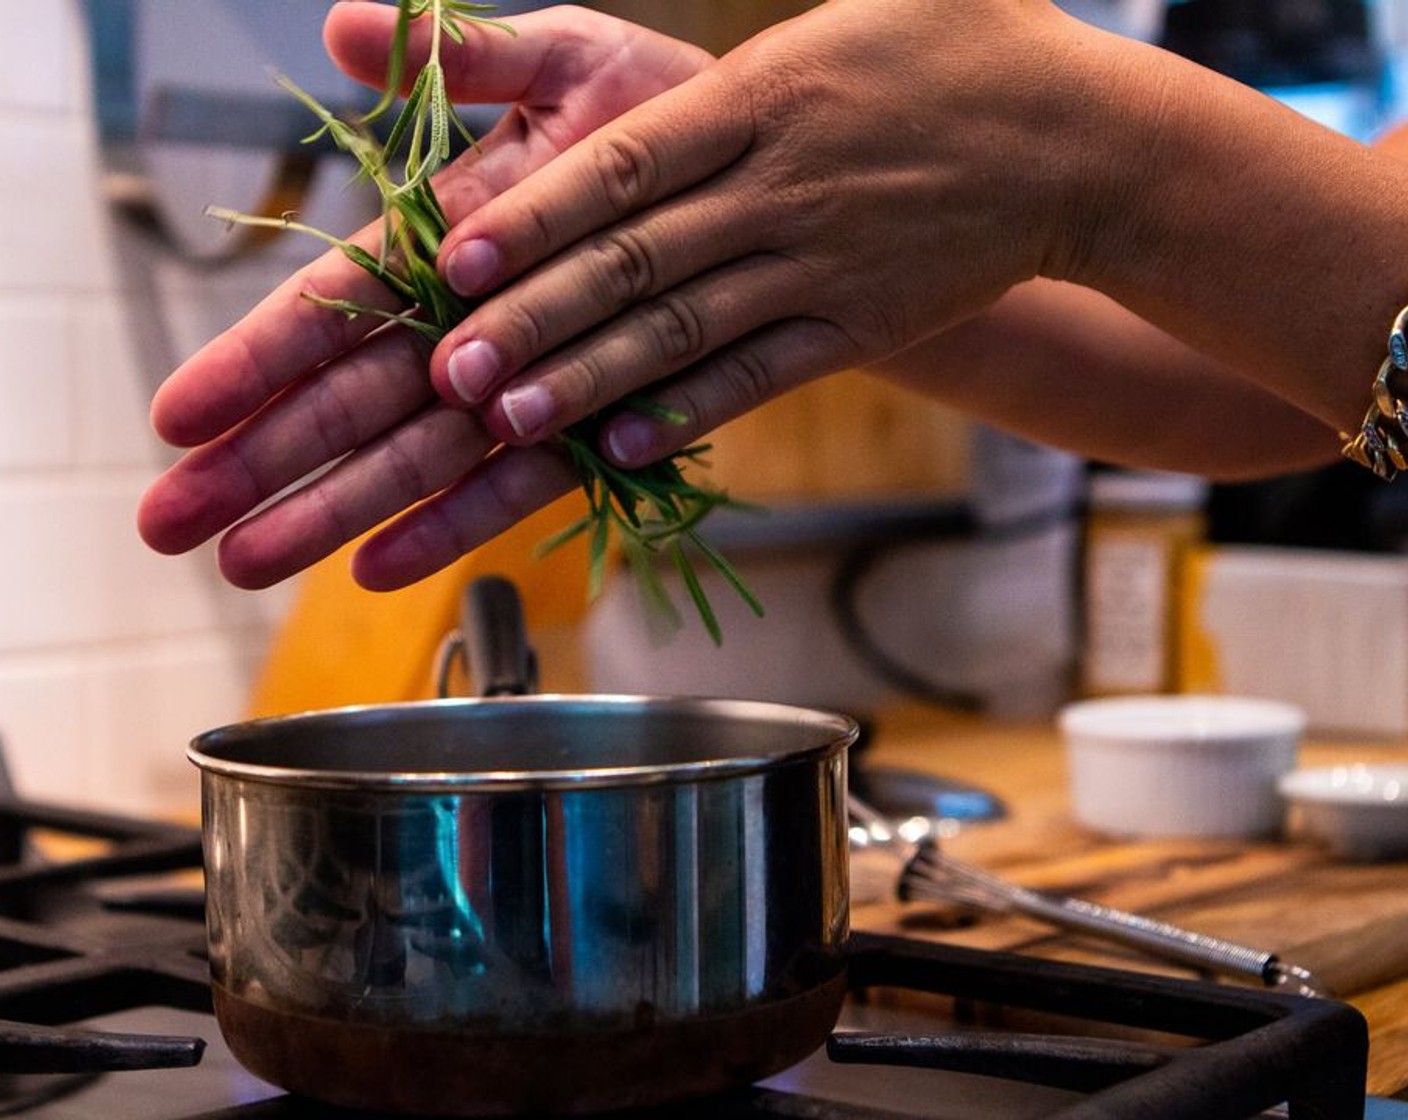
point(536, 230)
point(246, 358)
point(334, 421)
point(676, 329)
point(786, 94)
point(451, 533)
point(702, 409)
point(543, 229)
point(336, 403)
point(735, 382)
point(787, 109)
point(874, 326)
point(628, 171)
point(521, 328)
point(327, 517)
point(402, 470)
point(508, 497)
point(521, 486)
point(244, 481)
point(331, 330)
point(776, 93)
point(747, 378)
point(421, 457)
point(583, 381)
point(627, 266)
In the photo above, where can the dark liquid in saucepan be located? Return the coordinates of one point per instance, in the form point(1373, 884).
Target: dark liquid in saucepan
point(483, 1072)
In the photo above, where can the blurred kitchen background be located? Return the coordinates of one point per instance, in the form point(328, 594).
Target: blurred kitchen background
point(908, 553)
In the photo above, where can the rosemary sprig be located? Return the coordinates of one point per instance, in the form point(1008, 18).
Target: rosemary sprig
point(652, 511)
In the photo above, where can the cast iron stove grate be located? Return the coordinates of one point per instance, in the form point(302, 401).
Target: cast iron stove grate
point(73, 950)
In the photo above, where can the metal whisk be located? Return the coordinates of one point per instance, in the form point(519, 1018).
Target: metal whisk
point(931, 875)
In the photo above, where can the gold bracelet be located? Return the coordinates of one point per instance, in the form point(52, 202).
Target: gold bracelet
point(1381, 444)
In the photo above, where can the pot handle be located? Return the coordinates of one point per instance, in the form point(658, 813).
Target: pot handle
point(491, 643)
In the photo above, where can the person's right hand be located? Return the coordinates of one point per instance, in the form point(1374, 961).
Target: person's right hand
point(839, 188)
point(294, 388)
point(850, 186)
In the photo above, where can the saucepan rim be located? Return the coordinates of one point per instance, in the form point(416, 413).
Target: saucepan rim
point(258, 750)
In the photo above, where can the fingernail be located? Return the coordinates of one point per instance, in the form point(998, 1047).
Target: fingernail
point(472, 267)
point(473, 369)
point(528, 408)
point(631, 440)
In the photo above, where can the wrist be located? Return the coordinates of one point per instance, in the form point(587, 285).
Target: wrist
point(1116, 148)
point(1244, 230)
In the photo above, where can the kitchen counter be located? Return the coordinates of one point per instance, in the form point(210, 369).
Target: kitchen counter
point(1347, 923)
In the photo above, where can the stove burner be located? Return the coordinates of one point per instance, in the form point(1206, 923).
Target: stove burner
point(1260, 1048)
point(66, 956)
point(73, 949)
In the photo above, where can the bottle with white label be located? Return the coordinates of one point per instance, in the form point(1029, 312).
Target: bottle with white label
point(1140, 525)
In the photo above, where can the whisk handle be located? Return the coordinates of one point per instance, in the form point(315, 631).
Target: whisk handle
point(1198, 950)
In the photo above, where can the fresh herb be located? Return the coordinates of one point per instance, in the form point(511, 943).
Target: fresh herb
point(652, 511)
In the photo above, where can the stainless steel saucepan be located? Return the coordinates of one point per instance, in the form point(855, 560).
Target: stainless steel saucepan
point(525, 903)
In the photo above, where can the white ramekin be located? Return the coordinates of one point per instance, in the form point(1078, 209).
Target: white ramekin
point(1359, 810)
point(1182, 765)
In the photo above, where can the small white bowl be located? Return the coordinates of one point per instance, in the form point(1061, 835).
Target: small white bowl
point(1181, 765)
point(1360, 811)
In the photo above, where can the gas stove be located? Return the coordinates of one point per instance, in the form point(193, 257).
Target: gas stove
point(105, 1013)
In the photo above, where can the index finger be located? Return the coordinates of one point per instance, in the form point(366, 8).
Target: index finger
point(284, 336)
point(672, 142)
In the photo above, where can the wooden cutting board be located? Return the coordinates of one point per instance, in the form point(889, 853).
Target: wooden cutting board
point(1348, 923)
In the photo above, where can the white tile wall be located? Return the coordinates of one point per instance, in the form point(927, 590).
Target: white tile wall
point(42, 70)
point(185, 685)
point(36, 382)
point(111, 657)
point(43, 723)
point(53, 238)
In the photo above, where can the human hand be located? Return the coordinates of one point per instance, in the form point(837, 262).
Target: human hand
point(839, 188)
point(295, 387)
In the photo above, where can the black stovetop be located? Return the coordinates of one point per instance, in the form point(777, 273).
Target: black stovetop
point(105, 1013)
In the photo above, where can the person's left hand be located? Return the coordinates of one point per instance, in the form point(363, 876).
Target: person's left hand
point(294, 388)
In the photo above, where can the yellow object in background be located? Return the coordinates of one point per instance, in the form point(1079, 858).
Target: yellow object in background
point(341, 644)
point(1140, 529)
point(1199, 663)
